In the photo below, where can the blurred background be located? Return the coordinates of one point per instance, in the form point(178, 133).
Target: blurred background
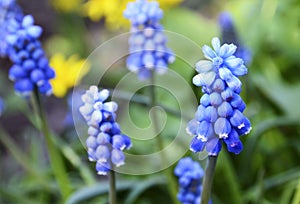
point(268, 169)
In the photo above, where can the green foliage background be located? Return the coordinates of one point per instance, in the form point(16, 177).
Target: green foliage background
point(268, 169)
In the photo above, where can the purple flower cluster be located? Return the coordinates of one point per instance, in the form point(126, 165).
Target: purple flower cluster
point(105, 143)
point(190, 175)
point(30, 66)
point(220, 114)
point(148, 50)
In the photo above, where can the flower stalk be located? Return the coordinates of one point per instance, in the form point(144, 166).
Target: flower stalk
point(56, 160)
point(168, 172)
point(112, 187)
point(208, 179)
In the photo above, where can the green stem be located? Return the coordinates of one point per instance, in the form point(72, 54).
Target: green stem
point(55, 156)
point(171, 185)
point(144, 100)
point(66, 150)
point(155, 118)
point(208, 179)
point(112, 187)
point(75, 160)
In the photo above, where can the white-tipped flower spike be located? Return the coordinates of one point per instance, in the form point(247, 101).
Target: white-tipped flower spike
point(220, 114)
point(105, 142)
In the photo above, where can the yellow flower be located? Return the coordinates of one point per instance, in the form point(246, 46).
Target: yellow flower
point(66, 5)
point(112, 11)
point(68, 72)
point(164, 4)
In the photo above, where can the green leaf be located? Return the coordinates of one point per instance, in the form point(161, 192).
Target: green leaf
point(285, 96)
point(22, 158)
point(15, 196)
point(97, 189)
point(282, 178)
point(229, 176)
point(142, 186)
point(274, 181)
point(190, 24)
point(296, 198)
point(256, 134)
point(288, 192)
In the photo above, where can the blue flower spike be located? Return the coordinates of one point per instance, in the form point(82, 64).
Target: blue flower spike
point(147, 44)
point(220, 114)
point(190, 176)
point(105, 143)
point(19, 40)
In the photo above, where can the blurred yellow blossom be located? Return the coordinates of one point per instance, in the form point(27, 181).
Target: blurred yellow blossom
point(68, 72)
point(66, 5)
point(112, 11)
point(168, 3)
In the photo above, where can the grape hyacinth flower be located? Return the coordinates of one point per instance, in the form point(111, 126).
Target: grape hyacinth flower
point(105, 143)
point(190, 175)
point(10, 13)
point(229, 35)
point(220, 114)
point(147, 43)
point(30, 66)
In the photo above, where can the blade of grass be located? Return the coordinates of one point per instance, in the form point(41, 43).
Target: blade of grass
point(274, 181)
point(141, 187)
point(97, 189)
point(15, 196)
point(66, 150)
point(21, 158)
point(159, 141)
point(258, 131)
point(75, 160)
point(231, 177)
point(56, 160)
